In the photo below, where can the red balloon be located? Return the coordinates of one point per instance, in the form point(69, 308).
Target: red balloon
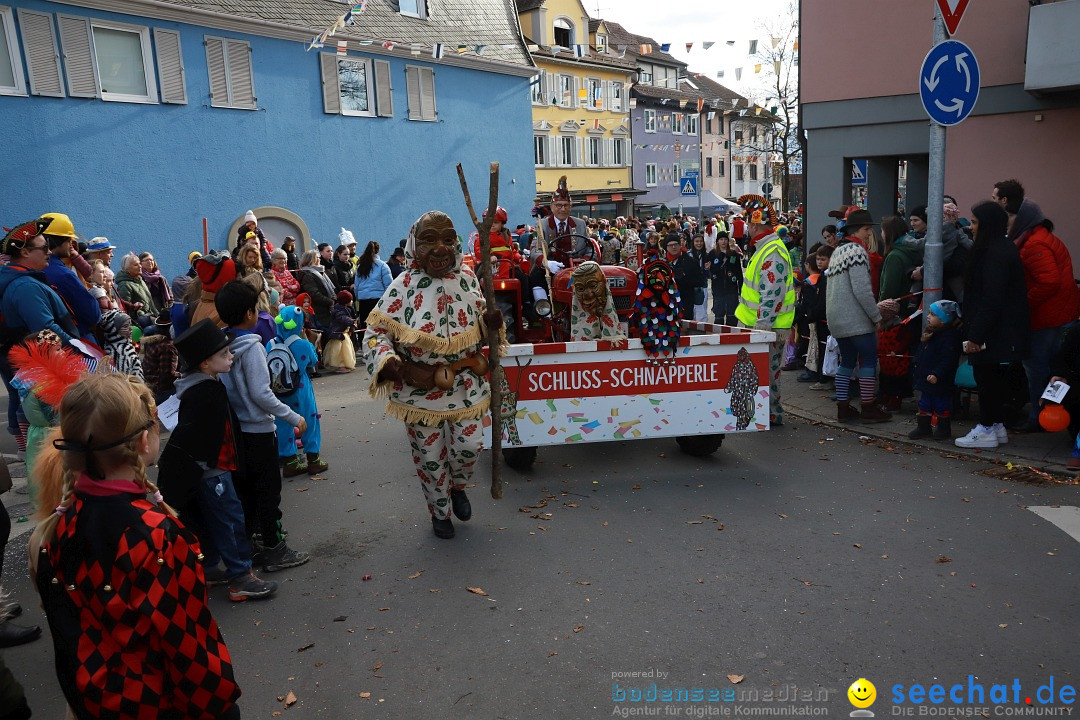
point(1054, 418)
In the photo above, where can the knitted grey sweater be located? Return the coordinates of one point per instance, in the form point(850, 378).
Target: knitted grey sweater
point(849, 297)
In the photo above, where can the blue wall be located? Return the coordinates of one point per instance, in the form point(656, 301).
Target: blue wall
point(665, 187)
point(146, 175)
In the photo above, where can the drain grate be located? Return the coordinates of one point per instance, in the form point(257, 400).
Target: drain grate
point(1029, 475)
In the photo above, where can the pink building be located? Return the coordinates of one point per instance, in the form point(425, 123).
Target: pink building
point(860, 64)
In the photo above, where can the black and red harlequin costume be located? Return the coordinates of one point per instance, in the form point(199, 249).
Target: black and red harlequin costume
point(123, 588)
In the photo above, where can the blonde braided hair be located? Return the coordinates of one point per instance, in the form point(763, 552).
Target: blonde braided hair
point(95, 406)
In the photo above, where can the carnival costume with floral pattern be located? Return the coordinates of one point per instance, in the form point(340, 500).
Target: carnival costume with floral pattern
point(433, 323)
point(585, 322)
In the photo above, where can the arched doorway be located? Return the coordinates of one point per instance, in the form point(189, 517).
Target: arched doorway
point(276, 223)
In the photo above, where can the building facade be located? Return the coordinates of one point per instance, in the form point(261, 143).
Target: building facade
point(720, 109)
point(580, 108)
point(141, 119)
point(1023, 124)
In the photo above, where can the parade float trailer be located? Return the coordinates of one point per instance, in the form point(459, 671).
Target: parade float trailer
point(557, 393)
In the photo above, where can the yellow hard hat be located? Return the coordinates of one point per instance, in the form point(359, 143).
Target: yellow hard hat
point(58, 224)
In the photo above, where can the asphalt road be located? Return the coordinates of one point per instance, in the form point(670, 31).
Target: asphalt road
point(800, 559)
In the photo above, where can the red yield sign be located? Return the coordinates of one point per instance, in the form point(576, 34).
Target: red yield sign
point(952, 11)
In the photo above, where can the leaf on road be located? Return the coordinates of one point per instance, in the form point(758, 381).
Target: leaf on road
point(290, 699)
point(383, 609)
point(857, 545)
point(782, 516)
point(541, 527)
point(942, 559)
point(700, 581)
point(364, 695)
point(579, 628)
point(476, 591)
point(376, 667)
point(552, 653)
point(570, 504)
point(434, 590)
point(635, 487)
point(416, 574)
point(340, 618)
point(1003, 625)
point(305, 647)
point(736, 679)
point(583, 582)
point(719, 526)
point(301, 489)
point(693, 522)
point(604, 524)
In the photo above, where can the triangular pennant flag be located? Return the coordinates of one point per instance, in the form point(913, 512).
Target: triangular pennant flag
point(735, 102)
point(775, 41)
point(664, 101)
point(738, 74)
point(731, 43)
point(664, 47)
point(646, 49)
point(795, 47)
point(720, 74)
point(462, 48)
point(753, 47)
point(349, 19)
point(712, 115)
point(365, 42)
point(388, 45)
point(688, 46)
point(757, 111)
point(700, 104)
point(776, 66)
point(342, 47)
point(580, 50)
point(596, 124)
point(414, 51)
point(621, 49)
point(555, 50)
point(437, 51)
point(757, 69)
point(480, 49)
point(707, 45)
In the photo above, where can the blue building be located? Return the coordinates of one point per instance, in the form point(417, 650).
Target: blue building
point(139, 119)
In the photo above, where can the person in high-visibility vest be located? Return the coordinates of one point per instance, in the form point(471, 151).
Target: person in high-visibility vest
point(767, 300)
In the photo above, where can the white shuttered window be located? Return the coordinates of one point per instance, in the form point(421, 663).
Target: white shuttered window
point(420, 88)
point(42, 56)
point(11, 73)
point(107, 60)
point(232, 84)
point(170, 63)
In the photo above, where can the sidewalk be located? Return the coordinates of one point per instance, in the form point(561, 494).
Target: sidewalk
point(1042, 450)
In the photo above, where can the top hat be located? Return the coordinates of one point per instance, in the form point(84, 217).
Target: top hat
point(199, 342)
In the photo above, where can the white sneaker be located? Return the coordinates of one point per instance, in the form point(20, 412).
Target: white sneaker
point(979, 437)
point(1001, 433)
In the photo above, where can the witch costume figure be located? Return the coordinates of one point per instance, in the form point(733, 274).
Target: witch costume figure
point(657, 311)
point(422, 349)
point(592, 311)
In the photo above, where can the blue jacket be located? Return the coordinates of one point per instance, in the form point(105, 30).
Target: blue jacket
point(374, 285)
point(67, 284)
point(30, 305)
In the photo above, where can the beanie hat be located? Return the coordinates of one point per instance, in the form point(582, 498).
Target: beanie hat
point(946, 310)
point(191, 256)
point(249, 216)
point(344, 297)
point(918, 211)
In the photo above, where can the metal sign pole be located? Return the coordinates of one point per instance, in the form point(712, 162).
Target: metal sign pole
point(700, 131)
point(935, 211)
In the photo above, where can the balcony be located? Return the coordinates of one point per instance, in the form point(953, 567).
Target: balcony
point(1053, 65)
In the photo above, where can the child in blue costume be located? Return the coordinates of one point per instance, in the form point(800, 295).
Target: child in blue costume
point(290, 323)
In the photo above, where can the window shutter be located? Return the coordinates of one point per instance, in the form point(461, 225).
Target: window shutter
point(170, 63)
point(412, 89)
point(545, 87)
point(579, 148)
point(42, 58)
point(575, 100)
point(241, 81)
point(551, 146)
point(384, 102)
point(427, 94)
point(78, 52)
point(627, 151)
point(609, 152)
point(331, 96)
point(215, 67)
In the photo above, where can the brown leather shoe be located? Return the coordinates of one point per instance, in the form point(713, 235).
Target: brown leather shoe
point(844, 411)
point(871, 413)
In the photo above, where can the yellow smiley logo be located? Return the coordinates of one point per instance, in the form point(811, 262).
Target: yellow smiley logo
point(862, 693)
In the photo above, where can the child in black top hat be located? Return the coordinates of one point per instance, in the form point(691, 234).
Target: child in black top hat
point(200, 458)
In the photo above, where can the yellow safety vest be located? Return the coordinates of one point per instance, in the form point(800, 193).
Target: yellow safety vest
point(750, 298)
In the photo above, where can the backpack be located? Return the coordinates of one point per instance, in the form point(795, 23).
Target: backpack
point(284, 372)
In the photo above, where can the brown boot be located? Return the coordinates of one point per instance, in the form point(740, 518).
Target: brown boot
point(871, 413)
point(844, 411)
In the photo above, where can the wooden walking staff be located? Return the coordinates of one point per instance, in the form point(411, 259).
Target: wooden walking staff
point(484, 228)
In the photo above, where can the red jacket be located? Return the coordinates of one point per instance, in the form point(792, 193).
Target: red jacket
point(1053, 297)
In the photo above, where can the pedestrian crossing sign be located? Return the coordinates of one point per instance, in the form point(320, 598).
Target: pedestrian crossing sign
point(688, 184)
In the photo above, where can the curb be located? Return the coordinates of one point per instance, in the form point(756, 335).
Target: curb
point(873, 430)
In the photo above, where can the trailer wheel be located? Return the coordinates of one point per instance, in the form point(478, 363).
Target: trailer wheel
point(520, 458)
point(700, 445)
